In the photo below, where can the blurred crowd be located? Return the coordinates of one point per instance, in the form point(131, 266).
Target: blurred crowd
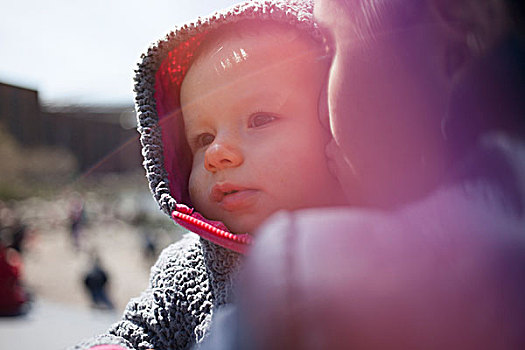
point(86, 223)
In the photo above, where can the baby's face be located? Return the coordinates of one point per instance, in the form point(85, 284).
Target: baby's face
point(250, 113)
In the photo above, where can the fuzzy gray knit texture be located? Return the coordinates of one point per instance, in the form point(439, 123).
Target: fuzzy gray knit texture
point(191, 278)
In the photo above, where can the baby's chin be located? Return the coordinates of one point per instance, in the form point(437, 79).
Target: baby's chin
point(239, 229)
point(239, 226)
point(248, 223)
point(236, 222)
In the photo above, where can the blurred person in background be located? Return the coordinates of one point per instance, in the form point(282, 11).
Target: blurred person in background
point(14, 298)
point(13, 232)
point(77, 219)
point(96, 282)
point(426, 108)
point(149, 246)
point(148, 238)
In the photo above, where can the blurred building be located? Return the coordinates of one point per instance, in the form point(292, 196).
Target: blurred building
point(20, 114)
point(101, 138)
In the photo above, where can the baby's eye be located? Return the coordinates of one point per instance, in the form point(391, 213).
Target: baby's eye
point(261, 119)
point(205, 139)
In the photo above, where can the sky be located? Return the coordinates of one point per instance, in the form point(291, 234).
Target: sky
point(84, 52)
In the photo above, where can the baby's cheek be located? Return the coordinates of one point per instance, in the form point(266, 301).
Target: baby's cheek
point(197, 188)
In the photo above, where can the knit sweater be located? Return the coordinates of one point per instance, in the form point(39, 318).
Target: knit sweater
point(191, 278)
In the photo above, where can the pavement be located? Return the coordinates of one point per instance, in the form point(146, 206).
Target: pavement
point(51, 326)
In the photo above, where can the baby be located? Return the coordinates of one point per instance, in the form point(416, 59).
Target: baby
point(229, 123)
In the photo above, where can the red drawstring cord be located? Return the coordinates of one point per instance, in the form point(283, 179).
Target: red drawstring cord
point(238, 243)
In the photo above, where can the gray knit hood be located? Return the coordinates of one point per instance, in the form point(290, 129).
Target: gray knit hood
point(167, 158)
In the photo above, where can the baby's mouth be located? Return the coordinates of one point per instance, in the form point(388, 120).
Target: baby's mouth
point(226, 194)
point(221, 190)
point(232, 197)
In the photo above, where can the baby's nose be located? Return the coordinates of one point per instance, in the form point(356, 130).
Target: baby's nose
point(221, 155)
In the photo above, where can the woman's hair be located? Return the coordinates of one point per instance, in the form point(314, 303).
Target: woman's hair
point(481, 22)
